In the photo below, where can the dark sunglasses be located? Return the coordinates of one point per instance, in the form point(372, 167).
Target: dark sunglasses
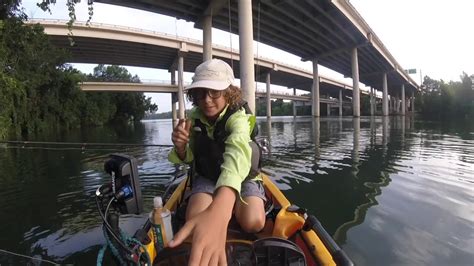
point(200, 94)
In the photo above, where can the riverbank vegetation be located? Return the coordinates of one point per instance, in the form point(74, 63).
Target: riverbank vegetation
point(39, 91)
point(438, 99)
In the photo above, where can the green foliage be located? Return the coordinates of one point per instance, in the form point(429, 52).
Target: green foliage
point(121, 106)
point(281, 108)
point(10, 8)
point(29, 66)
point(71, 6)
point(39, 92)
point(441, 100)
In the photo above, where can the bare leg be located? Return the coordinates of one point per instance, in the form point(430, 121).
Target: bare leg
point(198, 203)
point(251, 217)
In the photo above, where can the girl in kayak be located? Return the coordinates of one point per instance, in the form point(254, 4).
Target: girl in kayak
point(217, 141)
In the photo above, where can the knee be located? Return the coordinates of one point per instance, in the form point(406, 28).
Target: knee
point(253, 224)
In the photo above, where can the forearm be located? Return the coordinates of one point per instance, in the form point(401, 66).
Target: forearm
point(181, 153)
point(223, 202)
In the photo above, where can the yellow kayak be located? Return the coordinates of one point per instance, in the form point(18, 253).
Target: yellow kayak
point(290, 236)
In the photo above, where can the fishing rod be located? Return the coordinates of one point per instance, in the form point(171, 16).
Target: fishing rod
point(27, 142)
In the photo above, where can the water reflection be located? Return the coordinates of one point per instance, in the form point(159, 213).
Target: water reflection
point(389, 192)
point(316, 126)
point(345, 191)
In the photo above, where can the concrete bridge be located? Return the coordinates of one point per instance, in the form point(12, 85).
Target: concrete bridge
point(327, 32)
point(123, 43)
point(330, 33)
point(164, 87)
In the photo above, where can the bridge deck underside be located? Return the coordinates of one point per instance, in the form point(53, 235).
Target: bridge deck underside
point(309, 29)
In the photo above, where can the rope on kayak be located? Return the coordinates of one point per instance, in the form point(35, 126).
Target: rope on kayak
point(28, 257)
point(113, 249)
point(100, 256)
point(128, 240)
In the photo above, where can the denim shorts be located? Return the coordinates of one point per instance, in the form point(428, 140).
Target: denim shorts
point(249, 187)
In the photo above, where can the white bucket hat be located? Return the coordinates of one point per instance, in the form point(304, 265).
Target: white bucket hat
point(212, 74)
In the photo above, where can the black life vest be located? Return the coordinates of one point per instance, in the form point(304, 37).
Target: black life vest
point(208, 153)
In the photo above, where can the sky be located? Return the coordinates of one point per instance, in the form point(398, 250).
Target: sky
point(435, 37)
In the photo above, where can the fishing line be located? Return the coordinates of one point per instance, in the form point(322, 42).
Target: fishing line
point(230, 36)
point(26, 142)
point(28, 257)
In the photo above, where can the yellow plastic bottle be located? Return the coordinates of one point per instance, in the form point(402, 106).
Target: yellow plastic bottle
point(161, 222)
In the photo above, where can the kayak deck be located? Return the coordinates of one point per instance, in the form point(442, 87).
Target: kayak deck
point(286, 239)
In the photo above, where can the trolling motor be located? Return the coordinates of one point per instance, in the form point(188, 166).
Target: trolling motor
point(121, 196)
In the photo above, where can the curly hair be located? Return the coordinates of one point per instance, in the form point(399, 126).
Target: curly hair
point(232, 95)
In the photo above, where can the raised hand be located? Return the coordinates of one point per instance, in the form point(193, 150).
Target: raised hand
point(180, 137)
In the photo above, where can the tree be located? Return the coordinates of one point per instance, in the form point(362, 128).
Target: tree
point(442, 100)
point(39, 92)
point(127, 106)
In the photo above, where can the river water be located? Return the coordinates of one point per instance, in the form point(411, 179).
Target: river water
point(392, 191)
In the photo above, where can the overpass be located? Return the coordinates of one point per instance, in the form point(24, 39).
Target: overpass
point(118, 45)
point(112, 44)
point(163, 87)
point(185, 49)
point(130, 46)
point(170, 88)
point(327, 32)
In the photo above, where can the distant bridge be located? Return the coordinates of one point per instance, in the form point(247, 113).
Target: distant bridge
point(164, 87)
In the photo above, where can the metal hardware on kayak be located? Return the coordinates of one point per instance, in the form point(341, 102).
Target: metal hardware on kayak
point(263, 144)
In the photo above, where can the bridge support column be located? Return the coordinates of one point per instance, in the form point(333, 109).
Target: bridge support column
point(174, 100)
point(375, 101)
point(247, 74)
point(315, 90)
point(399, 105)
point(384, 95)
point(269, 100)
point(181, 86)
point(394, 104)
point(372, 100)
point(390, 105)
point(294, 103)
point(340, 102)
point(207, 38)
point(355, 84)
